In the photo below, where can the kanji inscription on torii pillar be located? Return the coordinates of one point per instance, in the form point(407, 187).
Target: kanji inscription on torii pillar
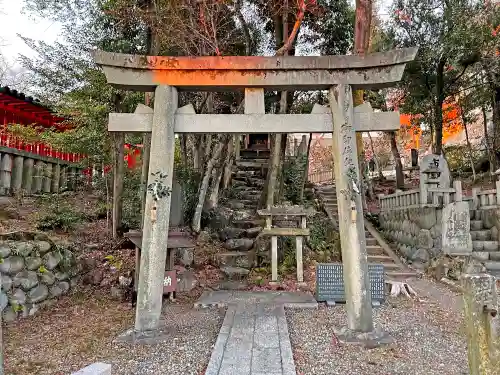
point(338, 74)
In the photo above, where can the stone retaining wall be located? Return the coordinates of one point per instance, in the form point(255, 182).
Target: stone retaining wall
point(33, 271)
point(416, 232)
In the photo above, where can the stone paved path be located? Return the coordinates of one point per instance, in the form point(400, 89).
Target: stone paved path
point(254, 339)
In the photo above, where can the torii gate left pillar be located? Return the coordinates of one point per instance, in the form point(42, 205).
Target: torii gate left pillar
point(166, 75)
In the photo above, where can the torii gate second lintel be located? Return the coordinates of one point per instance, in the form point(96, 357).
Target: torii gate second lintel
point(254, 74)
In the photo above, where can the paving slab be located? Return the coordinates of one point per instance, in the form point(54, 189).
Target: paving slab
point(221, 298)
point(253, 340)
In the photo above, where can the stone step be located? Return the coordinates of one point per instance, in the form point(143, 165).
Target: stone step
point(476, 214)
point(481, 235)
point(256, 182)
point(241, 259)
point(400, 275)
point(370, 241)
point(476, 225)
point(239, 244)
point(234, 273)
point(494, 256)
point(252, 164)
point(486, 246)
point(249, 223)
point(492, 266)
point(379, 259)
point(391, 266)
point(374, 250)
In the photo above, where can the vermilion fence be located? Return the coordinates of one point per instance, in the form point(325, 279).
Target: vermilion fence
point(37, 148)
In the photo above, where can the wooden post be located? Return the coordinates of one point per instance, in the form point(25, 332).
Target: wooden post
point(480, 305)
point(157, 211)
point(350, 208)
point(298, 245)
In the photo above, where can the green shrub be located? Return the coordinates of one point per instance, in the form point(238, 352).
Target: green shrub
point(324, 239)
point(59, 217)
point(293, 170)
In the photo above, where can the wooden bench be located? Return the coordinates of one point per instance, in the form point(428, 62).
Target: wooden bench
point(284, 212)
point(176, 240)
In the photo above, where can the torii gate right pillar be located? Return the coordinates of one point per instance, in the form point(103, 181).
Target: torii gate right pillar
point(351, 219)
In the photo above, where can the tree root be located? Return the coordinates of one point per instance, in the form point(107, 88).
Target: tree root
point(400, 287)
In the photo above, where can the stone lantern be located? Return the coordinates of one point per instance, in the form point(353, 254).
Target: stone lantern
point(431, 178)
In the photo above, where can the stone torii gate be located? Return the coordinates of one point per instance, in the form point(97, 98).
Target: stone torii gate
point(253, 74)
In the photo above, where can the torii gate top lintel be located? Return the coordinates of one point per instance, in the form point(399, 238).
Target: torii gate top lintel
point(222, 73)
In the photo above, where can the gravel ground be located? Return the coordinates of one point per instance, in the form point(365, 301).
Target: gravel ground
point(75, 333)
point(191, 335)
point(427, 332)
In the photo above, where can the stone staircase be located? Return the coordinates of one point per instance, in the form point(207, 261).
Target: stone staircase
point(240, 239)
point(378, 250)
point(485, 242)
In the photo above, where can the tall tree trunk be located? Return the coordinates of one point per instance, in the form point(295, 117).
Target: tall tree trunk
point(153, 48)
point(273, 169)
point(437, 142)
point(118, 176)
point(400, 177)
point(306, 170)
point(184, 150)
point(228, 167)
point(469, 146)
point(376, 159)
point(205, 183)
point(496, 124)
point(362, 29)
point(487, 140)
point(213, 198)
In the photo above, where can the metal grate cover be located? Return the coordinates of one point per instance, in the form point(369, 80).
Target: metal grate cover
point(330, 282)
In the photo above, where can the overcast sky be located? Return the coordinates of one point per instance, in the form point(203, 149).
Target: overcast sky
point(14, 22)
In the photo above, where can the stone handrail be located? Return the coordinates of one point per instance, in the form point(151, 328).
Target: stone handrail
point(427, 197)
point(485, 199)
point(438, 197)
point(400, 199)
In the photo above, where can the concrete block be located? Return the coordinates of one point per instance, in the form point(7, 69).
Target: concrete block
point(95, 369)
point(490, 245)
point(476, 225)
